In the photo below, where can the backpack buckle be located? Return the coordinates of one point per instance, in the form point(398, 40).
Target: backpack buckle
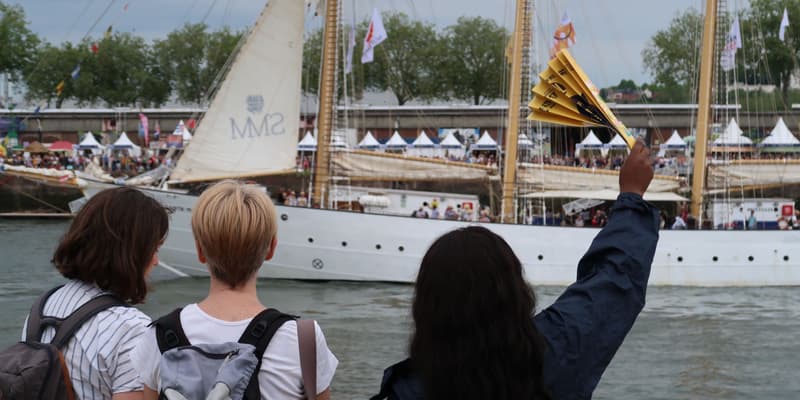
point(259, 329)
point(171, 338)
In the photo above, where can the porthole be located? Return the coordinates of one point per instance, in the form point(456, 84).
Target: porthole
point(401, 248)
point(785, 258)
point(680, 259)
point(541, 257)
point(344, 244)
point(378, 247)
point(284, 217)
point(715, 258)
point(750, 258)
point(310, 240)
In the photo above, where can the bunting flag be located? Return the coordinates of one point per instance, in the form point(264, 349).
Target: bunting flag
point(37, 110)
point(351, 47)
point(376, 34)
point(4, 146)
point(564, 36)
point(145, 128)
point(60, 88)
point(109, 31)
point(95, 48)
point(76, 72)
point(727, 60)
point(784, 25)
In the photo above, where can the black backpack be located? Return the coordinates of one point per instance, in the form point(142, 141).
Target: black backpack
point(34, 370)
point(170, 336)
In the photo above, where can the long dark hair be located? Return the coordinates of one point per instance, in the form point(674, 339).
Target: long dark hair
point(474, 336)
point(111, 241)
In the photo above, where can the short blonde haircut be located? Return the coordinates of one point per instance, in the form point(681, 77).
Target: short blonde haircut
point(234, 225)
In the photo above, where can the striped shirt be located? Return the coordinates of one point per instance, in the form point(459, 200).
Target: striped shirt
point(98, 355)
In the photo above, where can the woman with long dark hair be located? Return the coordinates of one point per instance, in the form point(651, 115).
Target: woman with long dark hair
point(475, 334)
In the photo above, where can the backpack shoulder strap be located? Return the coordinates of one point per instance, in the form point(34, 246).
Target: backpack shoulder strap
point(169, 332)
point(33, 332)
point(307, 341)
point(84, 313)
point(259, 333)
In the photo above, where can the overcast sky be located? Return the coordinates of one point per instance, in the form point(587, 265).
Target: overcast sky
point(610, 33)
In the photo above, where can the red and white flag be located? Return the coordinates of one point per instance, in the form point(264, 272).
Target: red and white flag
point(376, 34)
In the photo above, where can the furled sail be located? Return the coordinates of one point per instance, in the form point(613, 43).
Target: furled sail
point(371, 166)
point(251, 126)
point(538, 178)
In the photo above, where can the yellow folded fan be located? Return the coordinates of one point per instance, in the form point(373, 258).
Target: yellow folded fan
point(566, 96)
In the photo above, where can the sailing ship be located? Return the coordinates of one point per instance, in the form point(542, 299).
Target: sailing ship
point(250, 129)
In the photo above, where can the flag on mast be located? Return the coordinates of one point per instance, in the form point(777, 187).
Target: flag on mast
point(76, 72)
point(60, 88)
point(784, 25)
point(733, 42)
point(376, 34)
point(351, 47)
point(564, 36)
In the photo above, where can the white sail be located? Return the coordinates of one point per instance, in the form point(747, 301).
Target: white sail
point(251, 126)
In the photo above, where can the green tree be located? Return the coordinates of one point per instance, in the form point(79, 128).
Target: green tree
point(192, 58)
point(671, 56)
point(626, 84)
point(474, 59)
point(777, 60)
point(119, 71)
point(18, 42)
point(50, 65)
point(407, 62)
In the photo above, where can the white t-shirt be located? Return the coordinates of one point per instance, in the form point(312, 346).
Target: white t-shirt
point(280, 376)
point(98, 355)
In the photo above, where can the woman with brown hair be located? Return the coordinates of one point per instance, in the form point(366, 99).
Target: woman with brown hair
point(110, 247)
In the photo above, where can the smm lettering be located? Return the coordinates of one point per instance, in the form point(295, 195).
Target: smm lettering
point(271, 124)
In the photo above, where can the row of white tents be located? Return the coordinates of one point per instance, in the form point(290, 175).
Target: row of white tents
point(779, 139)
point(421, 146)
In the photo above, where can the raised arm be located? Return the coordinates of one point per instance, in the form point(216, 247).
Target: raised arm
point(587, 324)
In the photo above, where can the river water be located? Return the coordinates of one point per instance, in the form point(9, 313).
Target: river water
point(689, 343)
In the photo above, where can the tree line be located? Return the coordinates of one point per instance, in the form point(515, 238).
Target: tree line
point(464, 61)
point(672, 55)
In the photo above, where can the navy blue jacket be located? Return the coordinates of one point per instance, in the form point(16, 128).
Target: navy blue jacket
point(588, 322)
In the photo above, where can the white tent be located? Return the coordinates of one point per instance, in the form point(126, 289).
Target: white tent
point(396, 142)
point(590, 142)
point(733, 136)
point(90, 143)
point(452, 146)
point(780, 137)
point(423, 146)
point(675, 142)
point(523, 142)
point(484, 143)
point(183, 131)
point(124, 143)
point(369, 142)
point(308, 143)
point(617, 143)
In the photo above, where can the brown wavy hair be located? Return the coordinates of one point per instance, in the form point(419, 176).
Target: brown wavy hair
point(111, 241)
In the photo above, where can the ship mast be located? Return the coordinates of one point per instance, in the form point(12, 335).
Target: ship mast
point(326, 96)
point(521, 32)
point(703, 111)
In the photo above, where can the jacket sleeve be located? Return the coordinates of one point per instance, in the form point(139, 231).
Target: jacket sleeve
point(588, 322)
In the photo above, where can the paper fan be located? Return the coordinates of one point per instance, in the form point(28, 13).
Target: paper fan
point(566, 96)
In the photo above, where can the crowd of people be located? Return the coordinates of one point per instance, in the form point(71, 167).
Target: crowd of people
point(116, 164)
point(231, 345)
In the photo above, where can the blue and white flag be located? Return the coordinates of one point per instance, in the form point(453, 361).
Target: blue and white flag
point(732, 43)
point(76, 72)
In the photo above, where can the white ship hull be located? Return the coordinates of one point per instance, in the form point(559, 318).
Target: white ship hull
point(318, 244)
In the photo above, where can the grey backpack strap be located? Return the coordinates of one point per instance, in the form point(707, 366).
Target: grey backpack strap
point(307, 340)
point(69, 326)
point(33, 332)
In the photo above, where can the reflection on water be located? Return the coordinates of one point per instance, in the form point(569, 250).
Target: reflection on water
point(689, 343)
